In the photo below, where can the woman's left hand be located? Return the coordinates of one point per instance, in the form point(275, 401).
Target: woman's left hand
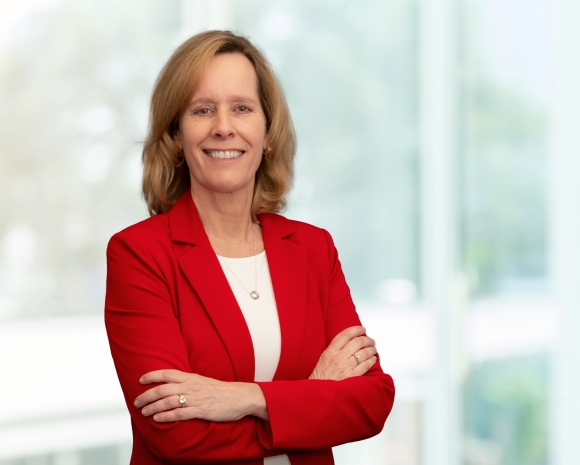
point(205, 398)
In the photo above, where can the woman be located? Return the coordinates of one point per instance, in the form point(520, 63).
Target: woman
point(232, 329)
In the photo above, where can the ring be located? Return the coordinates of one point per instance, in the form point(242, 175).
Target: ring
point(182, 400)
point(357, 358)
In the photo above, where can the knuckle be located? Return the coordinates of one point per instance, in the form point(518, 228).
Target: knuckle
point(161, 391)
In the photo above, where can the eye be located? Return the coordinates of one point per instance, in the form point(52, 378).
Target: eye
point(243, 109)
point(202, 111)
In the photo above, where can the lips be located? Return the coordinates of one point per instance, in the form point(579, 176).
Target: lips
point(224, 154)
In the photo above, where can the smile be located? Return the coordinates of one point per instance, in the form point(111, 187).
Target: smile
point(227, 154)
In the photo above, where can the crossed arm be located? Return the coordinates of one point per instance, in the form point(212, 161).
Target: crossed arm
point(213, 400)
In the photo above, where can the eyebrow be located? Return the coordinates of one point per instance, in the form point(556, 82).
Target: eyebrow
point(234, 98)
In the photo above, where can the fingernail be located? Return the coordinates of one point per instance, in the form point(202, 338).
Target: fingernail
point(136, 403)
point(141, 380)
point(144, 411)
point(156, 417)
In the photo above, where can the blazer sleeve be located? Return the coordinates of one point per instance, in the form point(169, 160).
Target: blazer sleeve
point(313, 414)
point(144, 335)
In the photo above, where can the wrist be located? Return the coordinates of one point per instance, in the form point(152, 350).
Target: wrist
point(256, 401)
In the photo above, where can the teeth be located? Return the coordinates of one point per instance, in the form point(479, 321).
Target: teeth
point(225, 154)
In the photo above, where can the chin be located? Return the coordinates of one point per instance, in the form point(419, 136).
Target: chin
point(228, 186)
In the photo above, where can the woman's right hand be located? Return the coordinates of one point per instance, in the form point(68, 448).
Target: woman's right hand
point(339, 360)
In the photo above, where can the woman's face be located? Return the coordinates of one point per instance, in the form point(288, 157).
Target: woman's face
point(223, 131)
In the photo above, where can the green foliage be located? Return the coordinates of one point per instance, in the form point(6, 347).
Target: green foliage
point(506, 403)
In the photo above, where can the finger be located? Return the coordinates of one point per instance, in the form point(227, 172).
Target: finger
point(365, 366)
point(164, 376)
point(158, 392)
point(162, 405)
point(357, 344)
point(177, 414)
point(342, 338)
point(366, 353)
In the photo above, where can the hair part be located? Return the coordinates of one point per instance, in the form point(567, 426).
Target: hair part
point(165, 172)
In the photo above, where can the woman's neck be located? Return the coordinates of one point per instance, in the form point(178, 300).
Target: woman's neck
point(226, 218)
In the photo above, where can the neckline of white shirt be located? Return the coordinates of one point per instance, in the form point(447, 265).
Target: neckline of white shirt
point(244, 258)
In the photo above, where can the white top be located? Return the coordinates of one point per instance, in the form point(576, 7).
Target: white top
point(261, 314)
point(261, 317)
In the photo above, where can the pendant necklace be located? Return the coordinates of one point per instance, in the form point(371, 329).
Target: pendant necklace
point(253, 294)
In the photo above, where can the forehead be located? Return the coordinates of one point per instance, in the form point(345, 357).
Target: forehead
point(226, 75)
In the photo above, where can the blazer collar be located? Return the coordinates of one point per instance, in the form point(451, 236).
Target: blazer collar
point(288, 264)
point(186, 226)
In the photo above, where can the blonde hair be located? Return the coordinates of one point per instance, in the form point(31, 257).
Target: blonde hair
point(165, 172)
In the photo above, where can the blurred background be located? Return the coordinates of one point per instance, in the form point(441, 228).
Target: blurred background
point(438, 143)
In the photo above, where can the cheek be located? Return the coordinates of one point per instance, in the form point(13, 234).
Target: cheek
point(191, 135)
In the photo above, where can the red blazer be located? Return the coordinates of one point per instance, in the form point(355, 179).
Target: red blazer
point(169, 305)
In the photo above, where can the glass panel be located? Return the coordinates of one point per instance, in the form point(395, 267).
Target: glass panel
point(506, 80)
point(506, 86)
point(75, 80)
point(506, 412)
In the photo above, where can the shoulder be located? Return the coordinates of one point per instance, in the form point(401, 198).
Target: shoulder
point(145, 234)
point(309, 233)
point(299, 232)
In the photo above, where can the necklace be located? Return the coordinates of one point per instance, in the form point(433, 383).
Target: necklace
point(253, 294)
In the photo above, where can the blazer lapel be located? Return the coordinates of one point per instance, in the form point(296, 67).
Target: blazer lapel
point(288, 265)
point(203, 271)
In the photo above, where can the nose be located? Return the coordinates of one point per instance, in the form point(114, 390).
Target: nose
point(223, 124)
